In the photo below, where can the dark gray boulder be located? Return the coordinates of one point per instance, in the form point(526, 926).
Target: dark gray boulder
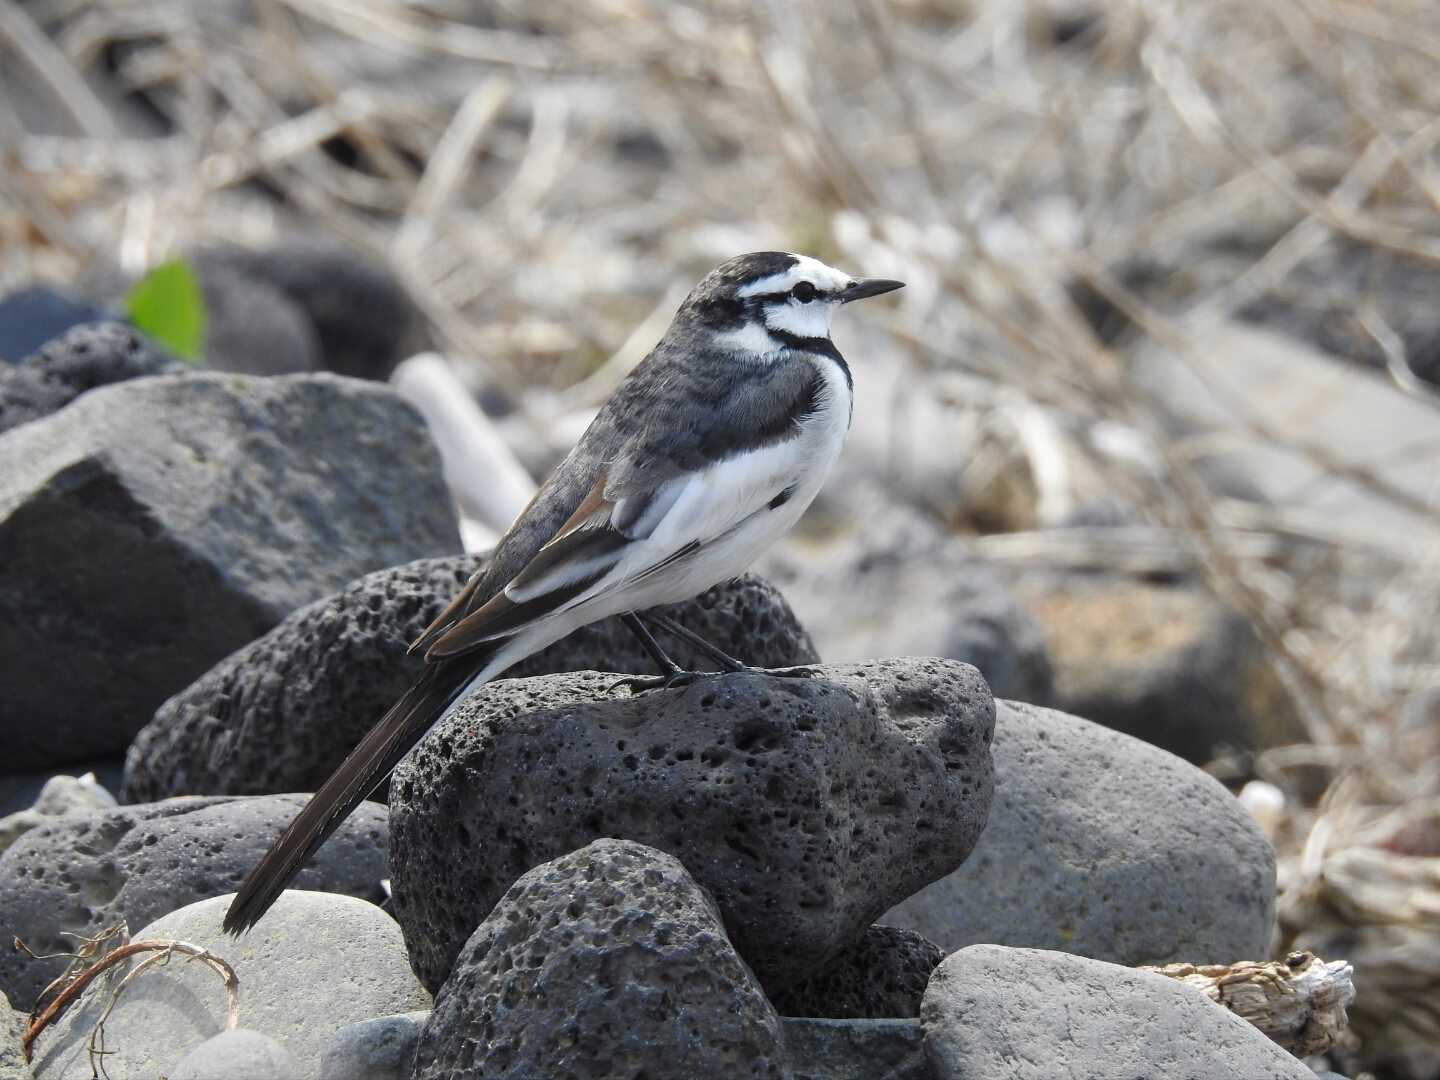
point(364, 321)
point(805, 807)
point(32, 316)
point(281, 713)
point(1101, 845)
point(1170, 664)
point(253, 328)
point(609, 961)
point(155, 526)
point(816, 1049)
point(995, 1013)
point(381, 1048)
point(883, 975)
point(82, 358)
point(822, 1049)
point(86, 872)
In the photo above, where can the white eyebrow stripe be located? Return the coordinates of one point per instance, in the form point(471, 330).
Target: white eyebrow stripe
point(825, 278)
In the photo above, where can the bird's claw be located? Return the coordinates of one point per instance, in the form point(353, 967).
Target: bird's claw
point(640, 684)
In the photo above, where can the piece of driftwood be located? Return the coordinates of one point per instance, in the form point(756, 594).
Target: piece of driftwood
point(1300, 1004)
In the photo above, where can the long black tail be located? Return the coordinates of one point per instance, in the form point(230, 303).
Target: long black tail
point(358, 775)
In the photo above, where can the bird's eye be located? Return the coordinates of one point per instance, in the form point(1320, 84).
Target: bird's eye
point(804, 292)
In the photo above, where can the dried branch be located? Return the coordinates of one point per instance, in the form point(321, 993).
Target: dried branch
point(75, 987)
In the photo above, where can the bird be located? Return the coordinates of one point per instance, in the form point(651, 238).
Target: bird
point(704, 455)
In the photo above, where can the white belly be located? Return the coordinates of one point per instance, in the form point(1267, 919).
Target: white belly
point(726, 510)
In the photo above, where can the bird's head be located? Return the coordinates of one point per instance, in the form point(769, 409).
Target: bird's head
point(770, 300)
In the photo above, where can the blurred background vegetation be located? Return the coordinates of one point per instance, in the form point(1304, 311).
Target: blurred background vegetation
point(1170, 331)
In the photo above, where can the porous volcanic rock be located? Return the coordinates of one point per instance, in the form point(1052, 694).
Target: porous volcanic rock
point(609, 961)
point(804, 806)
point(281, 713)
point(82, 358)
point(995, 1013)
point(85, 872)
point(156, 525)
point(1102, 845)
point(883, 975)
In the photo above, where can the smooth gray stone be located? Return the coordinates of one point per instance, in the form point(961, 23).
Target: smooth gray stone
point(805, 806)
point(281, 713)
point(995, 1013)
point(1101, 845)
point(382, 1048)
point(316, 963)
point(609, 961)
point(855, 1049)
point(86, 872)
point(236, 1055)
point(154, 526)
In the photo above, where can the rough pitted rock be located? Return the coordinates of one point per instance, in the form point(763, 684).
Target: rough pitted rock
point(81, 359)
point(995, 1013)
point(805, 807)
point(365, 321)
point(61, 795)
point(1102, 845)
point(882, 975)
point(821, 1049)
point(281, 713)
point(608, 961)
point(154, 526)
point(316, 963)
point(236, 1055)
point(85, 872)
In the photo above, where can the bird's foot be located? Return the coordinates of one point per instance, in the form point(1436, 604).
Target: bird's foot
point(640, 684)
point(788, 673)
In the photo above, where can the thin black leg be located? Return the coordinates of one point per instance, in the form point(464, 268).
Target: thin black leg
point(727, 662)
point(694, 640)
point(662, 659)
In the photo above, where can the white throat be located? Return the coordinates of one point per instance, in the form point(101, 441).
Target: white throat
point(810, 320)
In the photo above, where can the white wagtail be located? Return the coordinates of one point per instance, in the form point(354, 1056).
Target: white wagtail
point(706, 454)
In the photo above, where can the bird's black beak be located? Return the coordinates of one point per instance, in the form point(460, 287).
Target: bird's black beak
point(859, 290)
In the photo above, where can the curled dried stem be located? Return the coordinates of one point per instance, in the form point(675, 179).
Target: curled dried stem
point(164, 950)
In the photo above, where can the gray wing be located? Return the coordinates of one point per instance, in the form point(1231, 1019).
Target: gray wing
point(616, 486)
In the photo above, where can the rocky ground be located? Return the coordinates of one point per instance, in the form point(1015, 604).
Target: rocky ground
point(218, 574)
point(1121, 599)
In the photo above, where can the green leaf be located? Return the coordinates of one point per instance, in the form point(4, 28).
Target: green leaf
point(167, 304)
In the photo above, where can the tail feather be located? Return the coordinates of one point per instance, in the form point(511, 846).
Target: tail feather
point(358, 775)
